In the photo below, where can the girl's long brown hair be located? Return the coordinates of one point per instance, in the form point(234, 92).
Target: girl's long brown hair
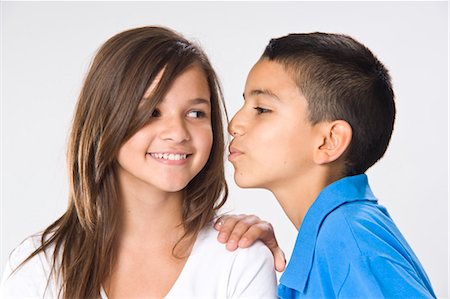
point(109, 111)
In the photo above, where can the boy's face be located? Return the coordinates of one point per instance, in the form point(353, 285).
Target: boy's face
point(272, 136)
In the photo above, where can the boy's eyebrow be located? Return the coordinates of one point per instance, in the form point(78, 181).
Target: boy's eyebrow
point(267, 92)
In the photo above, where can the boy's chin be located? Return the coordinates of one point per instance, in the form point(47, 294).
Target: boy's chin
point(244, 182)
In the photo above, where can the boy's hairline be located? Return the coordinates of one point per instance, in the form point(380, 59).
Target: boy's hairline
point(293, 70)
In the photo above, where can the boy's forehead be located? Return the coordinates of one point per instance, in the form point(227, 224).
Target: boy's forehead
point(270, 78)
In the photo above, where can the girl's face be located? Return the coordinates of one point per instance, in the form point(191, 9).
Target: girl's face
point(175, 145)
point(272, 136)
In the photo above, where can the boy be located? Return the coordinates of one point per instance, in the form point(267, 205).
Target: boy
point(319, 111)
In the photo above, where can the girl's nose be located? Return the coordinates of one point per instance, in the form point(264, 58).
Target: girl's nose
point(175, 130)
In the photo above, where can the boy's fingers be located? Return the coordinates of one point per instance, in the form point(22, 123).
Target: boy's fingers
point(268, 237)
point(240, 229)
point(219, 222)
point(244, 230)
point(253, 233)
point(261, 230)
point(225, 225)
point(280, 259)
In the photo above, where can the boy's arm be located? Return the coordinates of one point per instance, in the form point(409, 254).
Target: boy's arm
point(244, 230)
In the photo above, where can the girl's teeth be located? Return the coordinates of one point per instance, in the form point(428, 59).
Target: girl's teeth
point(170, 156)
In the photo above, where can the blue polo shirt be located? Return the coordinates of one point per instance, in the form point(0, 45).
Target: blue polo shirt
point(349, 247)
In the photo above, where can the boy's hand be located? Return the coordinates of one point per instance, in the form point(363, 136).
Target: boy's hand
point(244, 230)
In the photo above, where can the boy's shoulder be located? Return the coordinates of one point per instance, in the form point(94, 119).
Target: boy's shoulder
point(362, 228)
point(360, 242)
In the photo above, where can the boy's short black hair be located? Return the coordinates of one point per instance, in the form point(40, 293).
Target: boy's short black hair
point(341, 80)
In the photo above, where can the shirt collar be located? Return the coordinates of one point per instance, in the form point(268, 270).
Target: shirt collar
point(347, 189)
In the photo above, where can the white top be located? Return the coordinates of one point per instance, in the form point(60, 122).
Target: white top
point(210, 272)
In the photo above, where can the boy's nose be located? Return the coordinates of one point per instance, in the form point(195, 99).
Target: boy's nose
point(236, 125)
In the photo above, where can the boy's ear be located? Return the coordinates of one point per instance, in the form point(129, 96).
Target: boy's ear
point(334, 139)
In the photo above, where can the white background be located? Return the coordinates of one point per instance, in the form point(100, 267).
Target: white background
point(47, 48)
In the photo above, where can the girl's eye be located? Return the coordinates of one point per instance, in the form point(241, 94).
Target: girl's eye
point(156, 113)
point(196, 114)
point(262, 110)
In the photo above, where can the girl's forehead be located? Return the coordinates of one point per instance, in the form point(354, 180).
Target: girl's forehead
point(189, 87)
point(200, 73)
point(154, 83)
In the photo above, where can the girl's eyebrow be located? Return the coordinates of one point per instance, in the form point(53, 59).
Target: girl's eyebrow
point(267, 92)
point(199, 101)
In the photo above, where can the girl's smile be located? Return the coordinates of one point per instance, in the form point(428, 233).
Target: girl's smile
point(171, 158)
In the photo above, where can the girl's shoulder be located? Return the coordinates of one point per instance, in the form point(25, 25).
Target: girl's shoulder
point(24, 250)
point(214, 272)
point(30, 278)
point(207, 243)
point(43, 259)
point(209, 253)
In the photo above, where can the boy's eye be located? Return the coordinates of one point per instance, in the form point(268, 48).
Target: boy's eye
point(156, 113)
point(261, 110)
point(196, 114)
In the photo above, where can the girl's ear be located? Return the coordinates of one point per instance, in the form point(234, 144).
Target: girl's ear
point(334, 140)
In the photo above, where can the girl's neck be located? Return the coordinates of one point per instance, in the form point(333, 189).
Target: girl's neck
point(149, 214)
point(149, 238)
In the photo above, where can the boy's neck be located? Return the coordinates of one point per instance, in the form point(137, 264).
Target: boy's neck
point(297, 195)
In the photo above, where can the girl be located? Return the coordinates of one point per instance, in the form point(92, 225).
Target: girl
point(145, 161)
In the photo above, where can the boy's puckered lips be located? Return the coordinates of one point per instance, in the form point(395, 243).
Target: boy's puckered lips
point(234, 153)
